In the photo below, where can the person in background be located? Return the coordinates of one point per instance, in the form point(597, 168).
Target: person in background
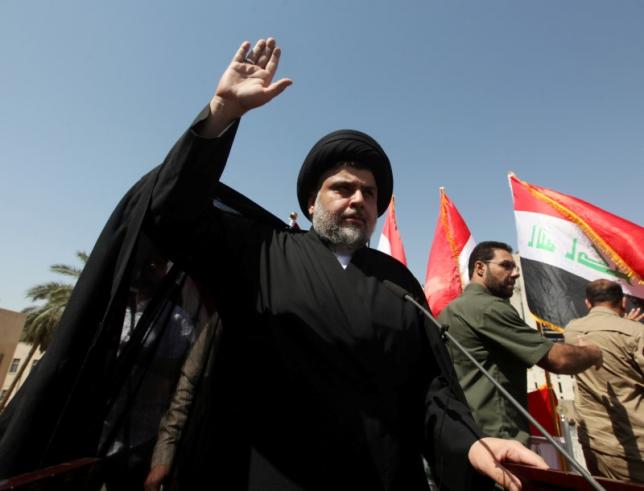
point(489, 327)
point(609, 402)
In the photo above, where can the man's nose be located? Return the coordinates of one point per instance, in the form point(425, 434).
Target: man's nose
point(357, 197)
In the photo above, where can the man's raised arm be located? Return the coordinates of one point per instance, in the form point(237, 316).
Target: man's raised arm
point(246, 84)
point(189, 176)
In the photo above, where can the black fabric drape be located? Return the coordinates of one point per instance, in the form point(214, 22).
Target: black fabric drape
point(59, 413)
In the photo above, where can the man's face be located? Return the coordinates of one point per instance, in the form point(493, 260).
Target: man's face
point(501, 273)
point(345, 210)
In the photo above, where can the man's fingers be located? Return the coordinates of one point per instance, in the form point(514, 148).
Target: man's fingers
point(522, 455)
point(240, 56)
point(506, 479)
point(257, 51)
point(156, 477)
point(266, 53)
point(274, 61)
point(488, 454)
point(635, 315)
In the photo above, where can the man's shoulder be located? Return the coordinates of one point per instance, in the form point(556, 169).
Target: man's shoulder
point(474, 304)
point(387, 264)
point(599, 319)
point(491, 311)
point(478, 298)
point(386, 267)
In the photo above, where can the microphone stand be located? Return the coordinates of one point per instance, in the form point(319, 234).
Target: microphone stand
point(444, 332)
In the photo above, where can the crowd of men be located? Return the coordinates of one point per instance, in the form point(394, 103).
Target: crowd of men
point(610, 396)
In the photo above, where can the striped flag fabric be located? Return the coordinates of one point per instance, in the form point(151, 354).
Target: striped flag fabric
point(447, 273)
point(564, 243)
point(390, 241)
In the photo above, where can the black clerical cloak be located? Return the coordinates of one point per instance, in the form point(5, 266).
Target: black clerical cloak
point(62, 411)
point(326, 379)
point(323, 380)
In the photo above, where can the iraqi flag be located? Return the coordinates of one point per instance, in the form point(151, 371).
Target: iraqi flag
point(447, 272)
point(564, 243)
point(390, 241)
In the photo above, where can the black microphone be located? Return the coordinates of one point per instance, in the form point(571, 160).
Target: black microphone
point(402, 293)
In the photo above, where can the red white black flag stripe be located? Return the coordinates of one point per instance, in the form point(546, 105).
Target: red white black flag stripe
point(564, 243)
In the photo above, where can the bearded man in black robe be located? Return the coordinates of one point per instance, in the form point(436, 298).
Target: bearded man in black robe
point(326, 380)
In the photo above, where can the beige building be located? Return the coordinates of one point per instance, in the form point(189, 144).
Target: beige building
point(11, 324)
point(13, 353)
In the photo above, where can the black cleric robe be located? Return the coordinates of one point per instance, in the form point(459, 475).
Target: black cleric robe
point(67, 407)
point(325, 379)
point(322, 379)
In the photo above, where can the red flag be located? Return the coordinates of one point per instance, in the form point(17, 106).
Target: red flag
point(390, 241)
point(540, 403)
point(447, 266)
point(564, 243)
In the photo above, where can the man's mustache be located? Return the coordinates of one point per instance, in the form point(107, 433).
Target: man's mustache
point(354, 214)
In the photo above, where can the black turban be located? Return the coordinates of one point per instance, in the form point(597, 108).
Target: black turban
point(345, 146)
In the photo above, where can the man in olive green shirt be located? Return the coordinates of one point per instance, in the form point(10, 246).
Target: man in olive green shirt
point(489, 327)
point(609, 402)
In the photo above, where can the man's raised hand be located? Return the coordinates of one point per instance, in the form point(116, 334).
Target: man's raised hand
point(635, 314)
point(246, 84)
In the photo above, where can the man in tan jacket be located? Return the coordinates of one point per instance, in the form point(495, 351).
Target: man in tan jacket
point(610, 400)
point(175, 418)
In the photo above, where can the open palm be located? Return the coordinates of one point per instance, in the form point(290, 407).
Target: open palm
point(248, 83)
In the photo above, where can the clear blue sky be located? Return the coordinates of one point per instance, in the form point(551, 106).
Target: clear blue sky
point(92, 95)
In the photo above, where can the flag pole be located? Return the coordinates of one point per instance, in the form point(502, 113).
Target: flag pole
point(554, 404)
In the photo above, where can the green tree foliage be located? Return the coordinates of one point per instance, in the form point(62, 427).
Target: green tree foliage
point(43, 318)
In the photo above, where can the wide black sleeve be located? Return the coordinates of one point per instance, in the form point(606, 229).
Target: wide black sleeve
point(448, 427)
point(450, 430)
point(189, 176)
point(212, 244)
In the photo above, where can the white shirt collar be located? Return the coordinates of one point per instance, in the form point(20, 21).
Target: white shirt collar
point(344, 259)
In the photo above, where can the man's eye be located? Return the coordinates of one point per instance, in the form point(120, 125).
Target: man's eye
point(344, 189)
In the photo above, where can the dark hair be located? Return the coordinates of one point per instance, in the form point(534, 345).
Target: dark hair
point(484, 251)
point(604, 291)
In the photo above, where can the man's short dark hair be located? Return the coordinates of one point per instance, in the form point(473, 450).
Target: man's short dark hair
point(484, 251)
point(604, 291)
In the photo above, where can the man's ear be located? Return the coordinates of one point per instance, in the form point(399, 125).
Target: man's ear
point(312, 203)
point(588, 305)
point(478, 268)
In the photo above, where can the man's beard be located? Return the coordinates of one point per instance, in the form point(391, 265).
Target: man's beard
point(497, 288)
point(346, 238)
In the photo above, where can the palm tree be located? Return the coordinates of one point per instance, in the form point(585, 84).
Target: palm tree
point(42, 319)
